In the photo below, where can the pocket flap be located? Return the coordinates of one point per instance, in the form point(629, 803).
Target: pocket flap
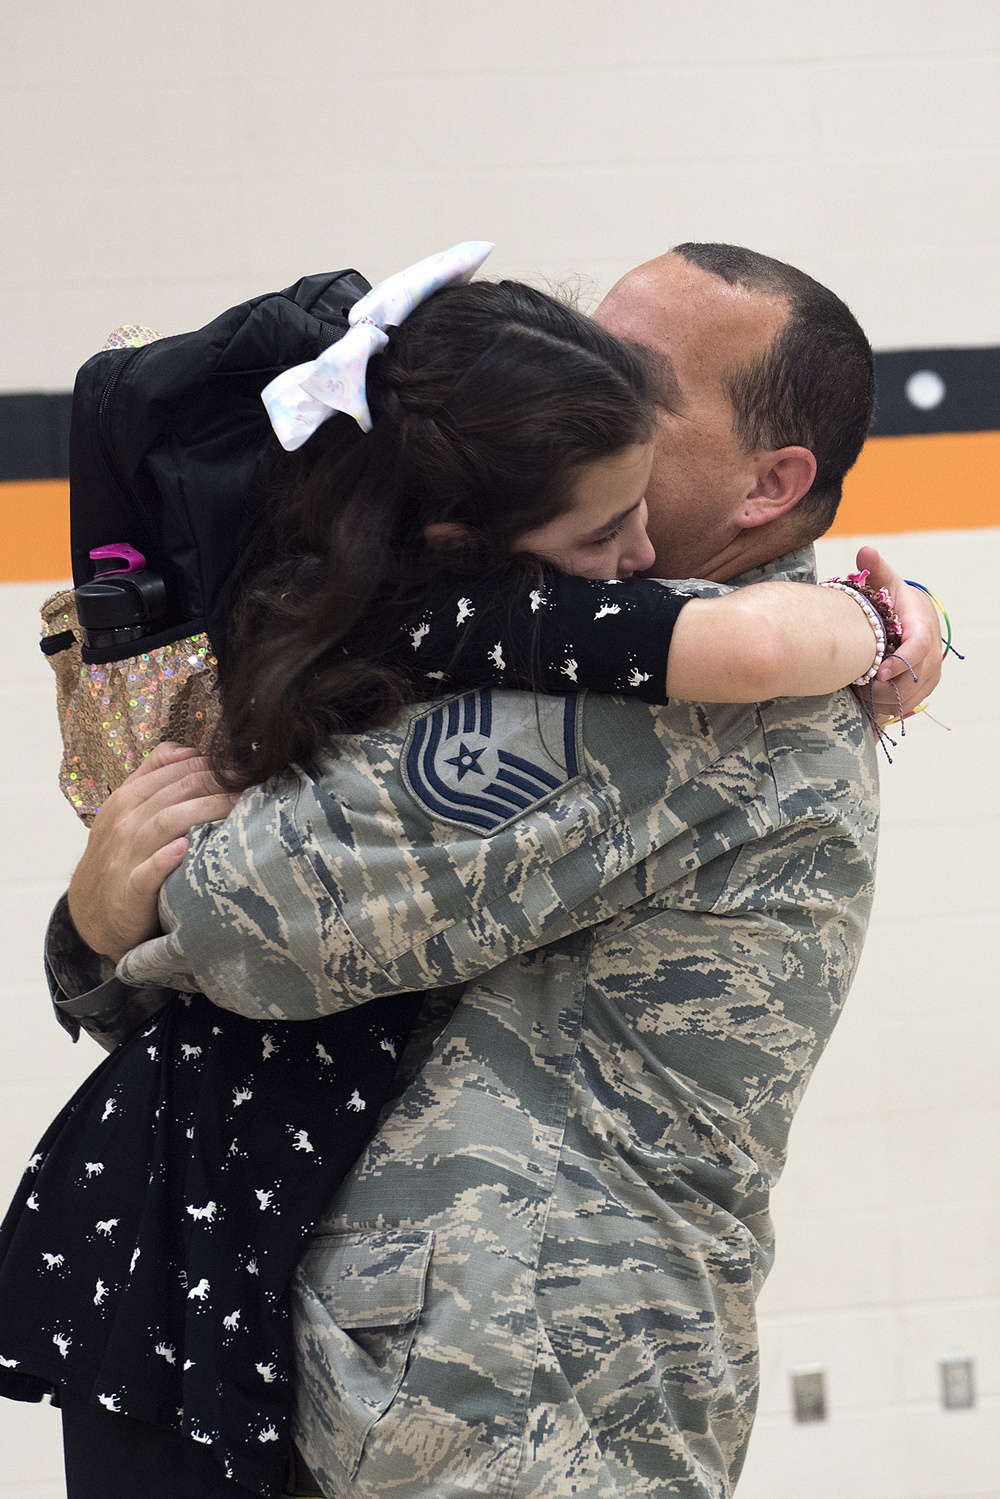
point(370, 1280)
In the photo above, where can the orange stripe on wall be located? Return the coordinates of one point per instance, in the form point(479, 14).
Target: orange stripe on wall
point(34, 531)
point(944, 481)
point(940, 481)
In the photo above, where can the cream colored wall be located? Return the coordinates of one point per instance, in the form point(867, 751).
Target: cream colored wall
point(161, 162)
point(888, 1215)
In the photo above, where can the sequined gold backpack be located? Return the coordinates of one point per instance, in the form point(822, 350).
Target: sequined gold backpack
point(171, 460)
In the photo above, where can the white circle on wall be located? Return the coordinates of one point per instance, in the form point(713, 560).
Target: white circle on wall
point(925, 389)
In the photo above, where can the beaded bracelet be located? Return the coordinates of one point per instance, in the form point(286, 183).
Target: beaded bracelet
point(874, 619)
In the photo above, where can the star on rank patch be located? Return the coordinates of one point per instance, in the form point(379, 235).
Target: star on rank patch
point(480, 760)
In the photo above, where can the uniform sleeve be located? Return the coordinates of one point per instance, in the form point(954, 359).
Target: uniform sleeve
point(85, 991)
point(316, 896)
point(554, 634)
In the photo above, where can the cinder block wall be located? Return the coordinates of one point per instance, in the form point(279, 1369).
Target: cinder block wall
point(887, 1215)
point(159, 163)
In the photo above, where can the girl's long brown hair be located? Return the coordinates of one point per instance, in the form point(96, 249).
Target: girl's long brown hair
point(486, 402)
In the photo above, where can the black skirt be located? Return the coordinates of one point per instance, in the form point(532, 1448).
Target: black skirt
point(147, 1257)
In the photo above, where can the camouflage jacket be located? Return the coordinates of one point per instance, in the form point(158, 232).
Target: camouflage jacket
point(540, 1277)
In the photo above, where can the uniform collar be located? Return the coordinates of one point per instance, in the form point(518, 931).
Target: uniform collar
point(794, 567)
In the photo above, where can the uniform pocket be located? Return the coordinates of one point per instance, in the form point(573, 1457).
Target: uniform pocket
point(358, 1302)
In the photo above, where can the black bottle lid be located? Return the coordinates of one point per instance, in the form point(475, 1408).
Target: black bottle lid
point(119, 600)
point(123, 595)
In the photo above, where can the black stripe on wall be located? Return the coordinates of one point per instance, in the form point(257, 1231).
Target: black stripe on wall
point(34, 436)
point(937, 390)
point(919, 390)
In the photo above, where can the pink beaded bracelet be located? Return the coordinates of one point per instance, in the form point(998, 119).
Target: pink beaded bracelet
point(874, 619)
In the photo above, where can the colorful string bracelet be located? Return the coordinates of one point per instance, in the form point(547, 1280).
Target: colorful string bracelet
point(946, 637)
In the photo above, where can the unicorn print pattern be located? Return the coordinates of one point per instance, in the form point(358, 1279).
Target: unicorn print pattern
point(185, 1252)
point(611, 636)
point(207, 1212)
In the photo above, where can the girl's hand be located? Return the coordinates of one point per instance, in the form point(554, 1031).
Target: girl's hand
point(137, 840)
point(921, 645)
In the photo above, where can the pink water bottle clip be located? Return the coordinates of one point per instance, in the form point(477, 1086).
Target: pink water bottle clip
point(132, 559)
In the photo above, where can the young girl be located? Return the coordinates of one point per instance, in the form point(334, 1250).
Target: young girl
point(476, 520)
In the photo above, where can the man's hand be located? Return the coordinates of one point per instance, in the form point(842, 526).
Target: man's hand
point(921, 647)
point(138, 838)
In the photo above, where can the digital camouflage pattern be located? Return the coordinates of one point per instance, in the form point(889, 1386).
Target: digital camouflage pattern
point(540, 1278)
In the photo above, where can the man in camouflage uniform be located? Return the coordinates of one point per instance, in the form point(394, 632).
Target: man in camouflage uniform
point(540, 1278)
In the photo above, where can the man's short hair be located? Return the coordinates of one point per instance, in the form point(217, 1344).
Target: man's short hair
point(815, 385)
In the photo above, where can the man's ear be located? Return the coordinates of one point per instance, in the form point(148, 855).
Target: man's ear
point(783, 477)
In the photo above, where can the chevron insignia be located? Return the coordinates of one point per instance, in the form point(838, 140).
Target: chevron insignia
point(484, 759)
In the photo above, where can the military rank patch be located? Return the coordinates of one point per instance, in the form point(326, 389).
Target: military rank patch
point(481, 760)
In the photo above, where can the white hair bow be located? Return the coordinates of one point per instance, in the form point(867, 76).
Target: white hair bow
point(301, 399)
